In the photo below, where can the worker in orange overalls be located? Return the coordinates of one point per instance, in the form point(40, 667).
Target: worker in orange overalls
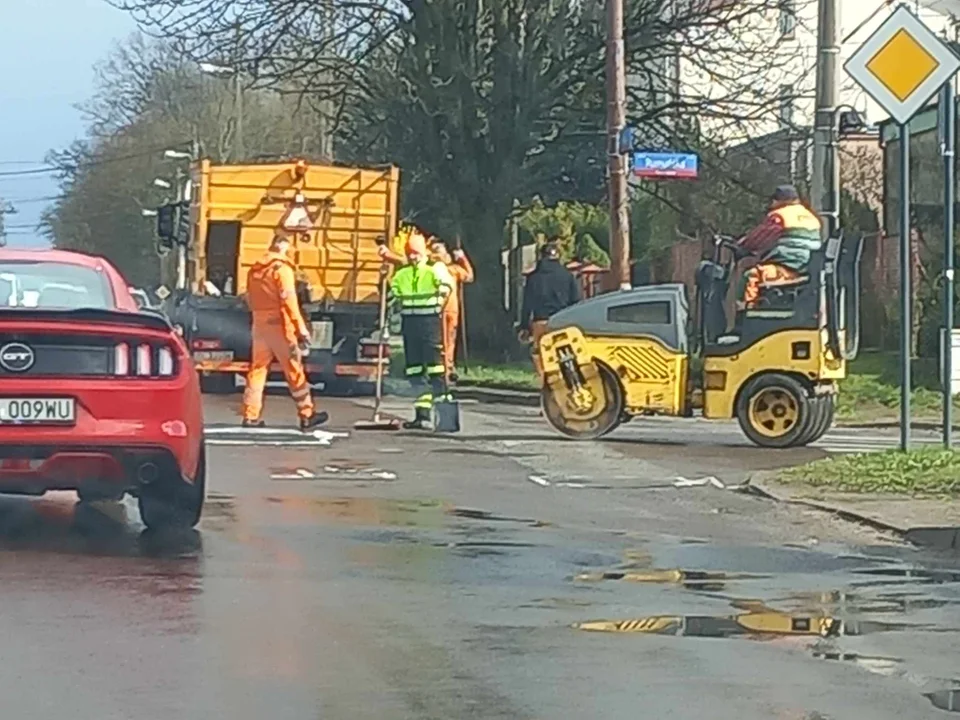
point(279, 331)
point(783, 245)
point(461, 271)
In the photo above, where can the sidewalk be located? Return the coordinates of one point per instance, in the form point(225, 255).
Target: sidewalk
point(931, 522)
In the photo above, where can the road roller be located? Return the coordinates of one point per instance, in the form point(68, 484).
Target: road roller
point(642, 352)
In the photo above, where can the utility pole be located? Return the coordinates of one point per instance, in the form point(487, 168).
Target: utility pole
point(238, 149)
point(616, 164)
point(825, 180)
point(948, 109)
point(5, 209)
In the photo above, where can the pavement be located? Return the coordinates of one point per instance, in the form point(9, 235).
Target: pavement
point(499, 573)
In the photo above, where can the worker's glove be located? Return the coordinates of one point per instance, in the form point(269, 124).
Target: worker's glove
point(523, 336)
point(458, 254)
point(303, 345)
point(383, 251)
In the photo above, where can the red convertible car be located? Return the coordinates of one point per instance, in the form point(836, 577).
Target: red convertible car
point(96, 395)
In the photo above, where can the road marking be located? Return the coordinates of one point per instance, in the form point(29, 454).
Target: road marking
point(541, 481)
point(270, 437)
point(700, 482)
point(847, 443)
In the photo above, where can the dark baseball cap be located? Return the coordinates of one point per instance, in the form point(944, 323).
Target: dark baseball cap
point(785, 193)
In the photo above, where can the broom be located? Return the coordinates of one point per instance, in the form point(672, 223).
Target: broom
point(377, 422)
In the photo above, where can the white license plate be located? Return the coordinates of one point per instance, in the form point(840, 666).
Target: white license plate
point(42, 411)
point(321, 334)
point(213, 356)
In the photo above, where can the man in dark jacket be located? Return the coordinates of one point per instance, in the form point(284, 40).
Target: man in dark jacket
point(549, 289)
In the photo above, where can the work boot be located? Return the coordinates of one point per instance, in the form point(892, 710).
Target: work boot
point(453, 378)
point(314, 421)
point(258, 423)
point(421, 421)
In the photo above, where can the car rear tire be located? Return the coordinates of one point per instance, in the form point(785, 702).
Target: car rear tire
point(163, 508)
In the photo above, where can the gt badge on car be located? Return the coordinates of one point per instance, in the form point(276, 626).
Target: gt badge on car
point(16, 357)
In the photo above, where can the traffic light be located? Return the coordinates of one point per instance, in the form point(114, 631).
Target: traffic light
point(183, 223)
point(166, 225)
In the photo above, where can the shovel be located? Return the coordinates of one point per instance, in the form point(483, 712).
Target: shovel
point(377, 422)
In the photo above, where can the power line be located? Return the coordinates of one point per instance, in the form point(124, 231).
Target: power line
point(90, 163)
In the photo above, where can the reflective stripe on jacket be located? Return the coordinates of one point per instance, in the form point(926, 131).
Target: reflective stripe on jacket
point(421, 289)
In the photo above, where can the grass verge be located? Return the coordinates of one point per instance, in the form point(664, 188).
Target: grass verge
point(927, 471)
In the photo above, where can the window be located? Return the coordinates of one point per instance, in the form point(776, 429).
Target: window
point(785, 106)
point(788, 19)
point(53, 285)
point(641, 313)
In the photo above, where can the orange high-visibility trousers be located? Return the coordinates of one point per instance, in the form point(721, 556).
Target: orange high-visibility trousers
point(760, 274)
point(269, 342)
point(538, 328)
point(451, 322)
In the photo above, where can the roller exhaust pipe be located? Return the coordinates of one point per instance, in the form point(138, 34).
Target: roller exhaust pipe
point(148, 473)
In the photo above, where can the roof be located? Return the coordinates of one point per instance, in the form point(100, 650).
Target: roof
point(67, 257)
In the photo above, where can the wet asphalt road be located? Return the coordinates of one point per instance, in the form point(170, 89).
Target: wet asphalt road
point(390, 576)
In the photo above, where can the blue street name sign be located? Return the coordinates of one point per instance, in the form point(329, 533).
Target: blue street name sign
point(654, 165)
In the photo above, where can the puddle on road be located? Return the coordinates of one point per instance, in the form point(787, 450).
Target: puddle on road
point(696, 579)
point(362, 511)
point(913, 575)
point(751, 625)
point(429, 514)
point(948, 700)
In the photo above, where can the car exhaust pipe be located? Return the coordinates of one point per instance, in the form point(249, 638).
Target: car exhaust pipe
point(148, 473)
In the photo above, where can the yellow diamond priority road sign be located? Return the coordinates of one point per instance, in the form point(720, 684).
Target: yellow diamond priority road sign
point(902, 64)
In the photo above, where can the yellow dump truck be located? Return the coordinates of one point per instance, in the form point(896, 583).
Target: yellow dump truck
point(340, 214)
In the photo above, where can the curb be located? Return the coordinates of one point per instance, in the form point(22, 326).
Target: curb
point(754, 487)
point(497, 396)
point(524, 398)
point(893, 424)
point(931, 537)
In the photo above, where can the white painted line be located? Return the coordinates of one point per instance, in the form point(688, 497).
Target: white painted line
point(238, 430)
point(267, 443)
point(384, 475)
point(541, 481)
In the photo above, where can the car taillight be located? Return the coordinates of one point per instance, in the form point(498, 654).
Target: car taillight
point(121, 359)
point(144, 360)
point(165, 362)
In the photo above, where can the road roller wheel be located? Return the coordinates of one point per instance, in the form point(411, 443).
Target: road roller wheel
point(828, 408)
point(567, 424)
point(775, 411)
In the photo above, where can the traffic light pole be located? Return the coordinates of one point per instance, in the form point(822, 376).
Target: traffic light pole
point(181, 246)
